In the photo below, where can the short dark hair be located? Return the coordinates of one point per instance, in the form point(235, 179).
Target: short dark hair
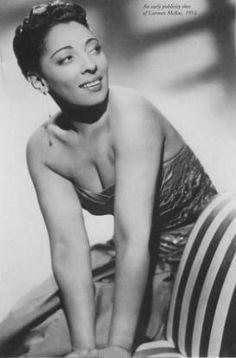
point(29, 39)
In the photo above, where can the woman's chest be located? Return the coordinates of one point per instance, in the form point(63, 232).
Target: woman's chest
point(87, 163)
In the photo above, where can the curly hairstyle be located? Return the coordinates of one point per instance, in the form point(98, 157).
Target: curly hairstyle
point(29, 39)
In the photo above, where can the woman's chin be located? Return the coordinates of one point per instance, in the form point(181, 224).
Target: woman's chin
point(93, 99)
point(87, 100)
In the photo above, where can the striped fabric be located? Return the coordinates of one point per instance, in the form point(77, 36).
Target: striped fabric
point(202, 317)
point(158, 349)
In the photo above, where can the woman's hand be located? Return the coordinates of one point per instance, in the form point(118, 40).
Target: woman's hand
point(113, 352)
point(83, 353)
point(108, 352)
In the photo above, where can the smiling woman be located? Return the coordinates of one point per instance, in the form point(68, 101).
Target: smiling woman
point(73, 66)
point(110, 151)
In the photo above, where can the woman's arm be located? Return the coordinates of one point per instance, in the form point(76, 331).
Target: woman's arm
point(69, 246)
point(138, 153)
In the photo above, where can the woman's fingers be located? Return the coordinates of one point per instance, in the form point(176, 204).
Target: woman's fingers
point(113, 352)
point(89, 353)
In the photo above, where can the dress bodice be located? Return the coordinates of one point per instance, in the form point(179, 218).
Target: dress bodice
point(183, 191)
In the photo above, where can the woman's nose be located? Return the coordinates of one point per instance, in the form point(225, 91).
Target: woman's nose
point(88, 65)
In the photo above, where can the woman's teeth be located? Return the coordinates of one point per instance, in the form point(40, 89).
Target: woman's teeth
point(91, 84)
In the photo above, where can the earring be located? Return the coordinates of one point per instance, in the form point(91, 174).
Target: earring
point(45, 90)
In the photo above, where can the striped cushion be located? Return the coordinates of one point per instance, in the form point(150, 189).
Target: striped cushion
point(203, 302)
point(157, 349)
point(202, 317)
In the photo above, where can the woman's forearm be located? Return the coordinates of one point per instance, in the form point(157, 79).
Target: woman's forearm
point(72, 270)
point(132, 266)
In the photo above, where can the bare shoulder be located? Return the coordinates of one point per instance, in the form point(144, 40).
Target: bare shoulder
point(129, 97)
point(132, 110)
point(39, 142)
point(36, 146)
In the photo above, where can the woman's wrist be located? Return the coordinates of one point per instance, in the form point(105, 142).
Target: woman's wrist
point(83, 353)
point(120, 347)
point(80, 344)
point(115, 351)
point(120, 339)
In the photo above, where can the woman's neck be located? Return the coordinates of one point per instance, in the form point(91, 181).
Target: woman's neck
point(85, 119)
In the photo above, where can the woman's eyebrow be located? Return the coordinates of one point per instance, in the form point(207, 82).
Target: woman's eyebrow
point(60, 49)
point(69, 47)
point(91, 39)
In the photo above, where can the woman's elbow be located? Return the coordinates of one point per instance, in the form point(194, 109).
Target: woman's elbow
point(59, 250)
point(64, 249)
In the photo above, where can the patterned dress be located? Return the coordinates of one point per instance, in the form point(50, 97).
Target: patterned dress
point(37, 326)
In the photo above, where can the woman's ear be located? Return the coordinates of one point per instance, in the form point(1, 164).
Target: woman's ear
point(37, 82)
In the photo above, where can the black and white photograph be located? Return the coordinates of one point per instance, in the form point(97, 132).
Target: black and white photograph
point(118, 180)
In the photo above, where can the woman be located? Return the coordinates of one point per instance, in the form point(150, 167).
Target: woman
point(108, 150)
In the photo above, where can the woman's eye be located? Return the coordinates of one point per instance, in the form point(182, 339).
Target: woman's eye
point(95, 49)
point(65, 60)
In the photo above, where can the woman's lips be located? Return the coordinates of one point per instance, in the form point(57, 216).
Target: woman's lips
point(94, 84)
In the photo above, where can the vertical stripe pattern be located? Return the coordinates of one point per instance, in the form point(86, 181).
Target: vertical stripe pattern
point(202, 317)
point(158, 349)
point(198, 293)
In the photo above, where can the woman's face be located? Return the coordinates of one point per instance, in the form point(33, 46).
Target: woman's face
point(74, 66)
